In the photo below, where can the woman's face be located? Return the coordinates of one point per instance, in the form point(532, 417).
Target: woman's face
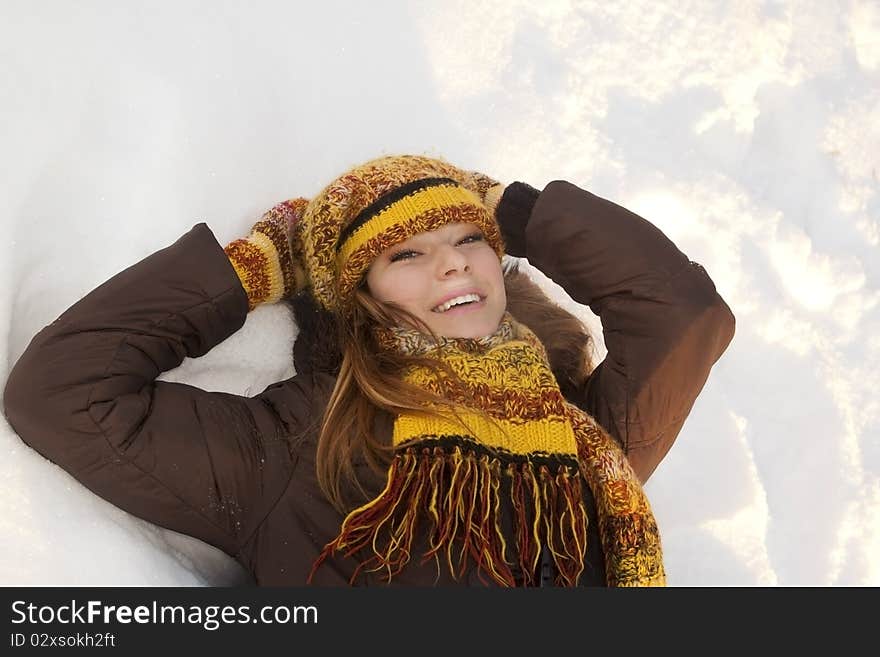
point(432, 268)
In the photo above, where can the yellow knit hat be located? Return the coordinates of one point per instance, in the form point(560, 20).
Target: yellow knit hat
point(382, 203)
point(328, 243)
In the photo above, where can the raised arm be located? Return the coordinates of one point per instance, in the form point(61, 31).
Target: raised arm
point(664, 323)
point(84, 394)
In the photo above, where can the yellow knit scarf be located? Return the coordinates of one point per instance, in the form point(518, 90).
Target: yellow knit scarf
point(536, 450)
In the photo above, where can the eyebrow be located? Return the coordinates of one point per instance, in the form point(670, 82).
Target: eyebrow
point(465, 229)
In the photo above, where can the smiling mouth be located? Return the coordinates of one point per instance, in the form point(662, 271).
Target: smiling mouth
point(472, 305)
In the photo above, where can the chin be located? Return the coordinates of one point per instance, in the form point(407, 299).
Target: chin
point(473, 332)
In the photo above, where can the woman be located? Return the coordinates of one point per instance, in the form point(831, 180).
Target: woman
point(445, 425)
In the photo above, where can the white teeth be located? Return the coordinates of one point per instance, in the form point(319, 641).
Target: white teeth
point(457, 300)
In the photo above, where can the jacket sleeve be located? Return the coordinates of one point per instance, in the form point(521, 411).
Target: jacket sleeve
point(84, 394)
point(663, 321)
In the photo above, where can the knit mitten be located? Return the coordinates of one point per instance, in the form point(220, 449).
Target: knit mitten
point(512, 214)
point(512, 205)
point(266, 265)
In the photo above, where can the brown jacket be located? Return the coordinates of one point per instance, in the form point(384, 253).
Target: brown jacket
point(239, 472)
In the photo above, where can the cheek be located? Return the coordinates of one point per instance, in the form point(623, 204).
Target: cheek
point(398, 286)
point(490, 268)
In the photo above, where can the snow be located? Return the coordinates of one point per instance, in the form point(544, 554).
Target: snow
point(748, 132)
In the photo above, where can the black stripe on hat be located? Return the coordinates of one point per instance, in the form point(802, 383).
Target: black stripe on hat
point(387, 200)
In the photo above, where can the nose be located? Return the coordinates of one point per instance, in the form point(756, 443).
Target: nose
point(451, 259)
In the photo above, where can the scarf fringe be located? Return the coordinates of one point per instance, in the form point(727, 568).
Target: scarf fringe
point(459, 493)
